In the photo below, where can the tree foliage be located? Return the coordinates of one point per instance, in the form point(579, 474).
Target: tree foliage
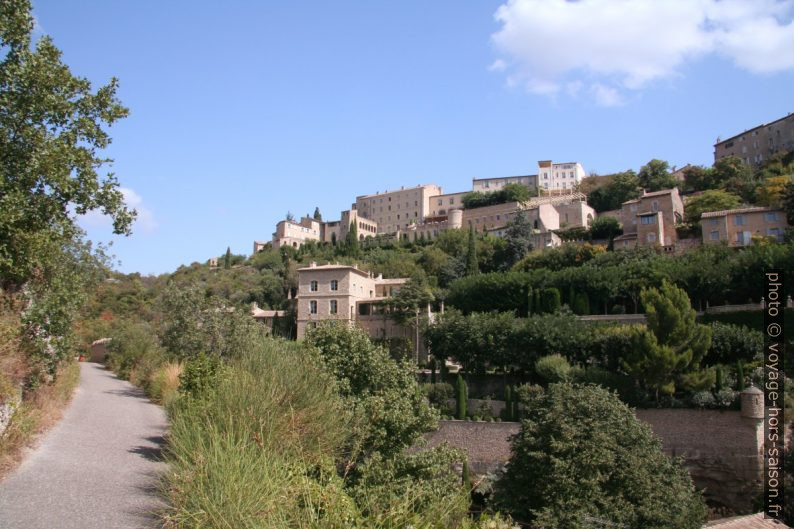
point(673, 343)
point(52, 126)
point(508, 193)
point(582, 457)
point(655, 176)
point(711, 200)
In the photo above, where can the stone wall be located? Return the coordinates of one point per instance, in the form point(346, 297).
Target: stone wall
point(721, 449)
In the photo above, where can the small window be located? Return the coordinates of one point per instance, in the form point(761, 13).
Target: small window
point(648, 219)
point(770, 216)
point(440, 201)
point(738, 220)
point(651, 237)
point(714, 222)
point(334, 284)
point(332, 306)
point(313, 307)
point(655, 205)
point(313, 286)
point(715, 236)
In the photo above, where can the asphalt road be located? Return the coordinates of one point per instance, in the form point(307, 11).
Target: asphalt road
point(98, 468)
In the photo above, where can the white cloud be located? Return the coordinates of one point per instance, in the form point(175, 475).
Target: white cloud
point(144, 221)
point(618, 45)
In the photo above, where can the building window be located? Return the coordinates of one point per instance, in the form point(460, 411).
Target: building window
point(332, 306)
point(715, 236)
point(451, 200)
point(738, 220)
point(655, 205)
point(334, 284)
point(776, 233)
point(313, 286)
point(648, 219)
point(714, 222)
point(770, 216)
point(651, 237)
point(440, 201)
point(313, 307)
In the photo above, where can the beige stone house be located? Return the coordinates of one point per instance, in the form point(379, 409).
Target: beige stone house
point(346, 293)
point(486, 185)
point(559, 177)
point(758, 144)
point(651, 220)
point(296, 234)
point(737, 227)
point(396, 210)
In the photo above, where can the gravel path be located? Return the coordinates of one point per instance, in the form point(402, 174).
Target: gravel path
point(98, 468)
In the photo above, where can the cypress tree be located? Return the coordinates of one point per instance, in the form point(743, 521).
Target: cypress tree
point(720, 383)
point(351, 241)
point(461, 397)
point(536, 302)
point(739, 376)
point(472, 268)
point(432, 370)
point(227, 259)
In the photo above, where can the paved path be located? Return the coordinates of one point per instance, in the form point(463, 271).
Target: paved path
point(97, 469)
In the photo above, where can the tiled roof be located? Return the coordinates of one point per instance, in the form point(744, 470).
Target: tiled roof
point(626, 237)
point(753, 521)
point(734, 212)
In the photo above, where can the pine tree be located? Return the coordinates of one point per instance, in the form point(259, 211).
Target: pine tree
point(317, 215)
point(472, 268)
point(227, 259)
point(466, 475)
point(461, 397)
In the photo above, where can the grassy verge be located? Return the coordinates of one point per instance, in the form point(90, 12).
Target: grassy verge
point(39, 411)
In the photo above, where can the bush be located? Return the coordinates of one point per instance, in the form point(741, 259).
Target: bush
point(134, 351)
point(581, 454)
point(550, 300)
point(703, 399)
point(439, 395)
point(731, 343)
point(553, 368)
point(201, 375)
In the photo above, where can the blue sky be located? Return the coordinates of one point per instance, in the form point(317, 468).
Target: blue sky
point(242, 111)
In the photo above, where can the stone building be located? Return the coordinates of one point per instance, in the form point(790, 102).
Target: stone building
point(651, 219)
point(758, 144)
point(295, 234)
point(396, 210)
point(345, 293)
point(559, 177)
point(737, 227)
point(486, 185)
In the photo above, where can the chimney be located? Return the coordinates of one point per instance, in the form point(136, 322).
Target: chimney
point(313, 264)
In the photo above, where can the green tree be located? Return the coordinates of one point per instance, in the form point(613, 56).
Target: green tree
point(317, 215)
point(672, 344)
point(583, 458)
point(351, 240)
point(605, 193)
point(390, 408)
point(701, 178)
point(52, 129)
point(461, 398)
point(605, 228)
point(711, 200)
point(227, 259)
point(787, 199)
point(518, 239)
point(655, 175)
point(472, 266)
point(735, 177)
point(771, 191)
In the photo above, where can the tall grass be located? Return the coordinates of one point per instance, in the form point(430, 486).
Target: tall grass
point(259, 451)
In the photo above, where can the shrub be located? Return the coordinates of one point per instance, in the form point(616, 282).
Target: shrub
point(550, 300)
point(582, 454)
point(200, 375)
point(134, 351)
point(703, 399)
point(164, 383)
point(553, 368)
point(725, 397)
point(731, 343)
point(439, 395)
